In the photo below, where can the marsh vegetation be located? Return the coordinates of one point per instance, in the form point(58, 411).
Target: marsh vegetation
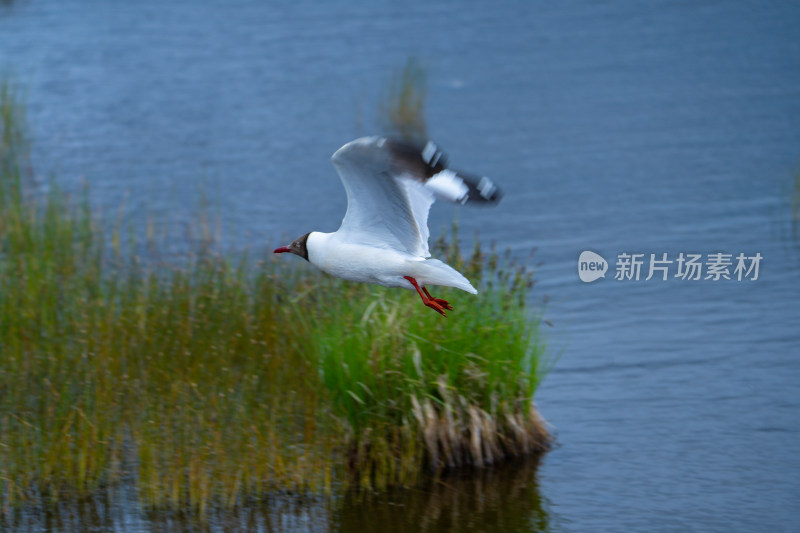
point(219, 379)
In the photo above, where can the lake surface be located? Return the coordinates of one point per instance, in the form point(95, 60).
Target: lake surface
point(659, 127)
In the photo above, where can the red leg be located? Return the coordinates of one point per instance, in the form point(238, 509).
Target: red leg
point(427, 300)
point(443, 303)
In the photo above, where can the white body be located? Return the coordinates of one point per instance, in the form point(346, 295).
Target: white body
point(340, 257)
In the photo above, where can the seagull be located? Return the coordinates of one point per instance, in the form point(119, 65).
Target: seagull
point(391, 185)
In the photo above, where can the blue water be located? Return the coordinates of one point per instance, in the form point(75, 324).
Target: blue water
point(615, 127)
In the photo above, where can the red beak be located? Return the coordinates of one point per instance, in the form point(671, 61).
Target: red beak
point(281, 250)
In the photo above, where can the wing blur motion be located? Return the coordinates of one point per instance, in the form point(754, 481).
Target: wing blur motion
point(391, 186)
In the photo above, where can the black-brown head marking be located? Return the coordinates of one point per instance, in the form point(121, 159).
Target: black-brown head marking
point(298, 247)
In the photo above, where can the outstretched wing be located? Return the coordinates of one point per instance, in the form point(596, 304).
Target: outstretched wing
point(391, 186)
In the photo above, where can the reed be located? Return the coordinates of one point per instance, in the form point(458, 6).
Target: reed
point(402, 112)
point(215, 380)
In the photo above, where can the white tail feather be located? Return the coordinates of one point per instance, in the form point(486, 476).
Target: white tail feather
point(435, 272)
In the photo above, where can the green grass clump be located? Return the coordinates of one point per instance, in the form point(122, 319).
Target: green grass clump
point(416, 388)
point(219, 380)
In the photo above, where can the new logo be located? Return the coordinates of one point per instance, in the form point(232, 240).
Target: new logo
point(591, 266)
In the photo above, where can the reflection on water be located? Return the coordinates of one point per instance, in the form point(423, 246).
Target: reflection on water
point(504, 498)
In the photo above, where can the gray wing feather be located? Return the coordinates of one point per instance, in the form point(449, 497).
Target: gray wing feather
point(379, 206)
point(391, 186)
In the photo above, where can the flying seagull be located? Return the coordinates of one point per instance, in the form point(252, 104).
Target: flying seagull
point(391, 185)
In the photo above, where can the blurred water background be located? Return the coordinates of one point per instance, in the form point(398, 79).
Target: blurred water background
point(659, 127)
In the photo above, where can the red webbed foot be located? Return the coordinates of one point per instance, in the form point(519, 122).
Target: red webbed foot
point(444, 303)
point(437, 304)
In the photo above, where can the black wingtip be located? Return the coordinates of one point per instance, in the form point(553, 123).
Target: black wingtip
point(424, 157)
point(482, 190)
point(426, 160)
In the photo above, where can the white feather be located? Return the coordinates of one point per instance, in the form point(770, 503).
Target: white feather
point(448, 186)
point(384, 233)
point(383, 209)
